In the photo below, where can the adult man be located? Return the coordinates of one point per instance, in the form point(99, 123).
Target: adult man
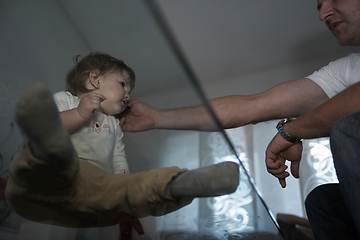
point(308, 98)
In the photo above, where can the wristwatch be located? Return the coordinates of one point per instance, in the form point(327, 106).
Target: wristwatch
point(284, 134)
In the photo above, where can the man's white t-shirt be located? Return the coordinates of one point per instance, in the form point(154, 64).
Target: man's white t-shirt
point(338, 75)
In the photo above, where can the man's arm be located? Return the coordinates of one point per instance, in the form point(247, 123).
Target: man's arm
point(319, 121)
point(316, 123)
point(289, 99)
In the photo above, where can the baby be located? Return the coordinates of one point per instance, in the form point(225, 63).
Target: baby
point(63, 174)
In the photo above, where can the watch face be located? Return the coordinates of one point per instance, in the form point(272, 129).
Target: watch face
point(281, 131)
point(285, 120)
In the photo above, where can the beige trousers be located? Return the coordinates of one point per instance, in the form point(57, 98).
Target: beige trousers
point(78, 194)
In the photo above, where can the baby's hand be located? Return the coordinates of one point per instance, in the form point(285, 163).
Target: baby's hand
point(89, 104)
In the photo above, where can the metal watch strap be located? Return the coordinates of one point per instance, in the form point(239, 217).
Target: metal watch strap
point(284, 134)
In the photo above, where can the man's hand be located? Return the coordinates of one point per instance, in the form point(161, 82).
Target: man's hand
point(140, 118)
point(89, 104)
point(278, 151)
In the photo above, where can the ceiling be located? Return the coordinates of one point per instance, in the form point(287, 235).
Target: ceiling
point(220, 39)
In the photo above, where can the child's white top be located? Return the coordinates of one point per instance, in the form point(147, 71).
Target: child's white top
point(99, 140)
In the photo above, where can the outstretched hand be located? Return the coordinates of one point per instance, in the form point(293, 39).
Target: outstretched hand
point(278, 151)
point(140, 118)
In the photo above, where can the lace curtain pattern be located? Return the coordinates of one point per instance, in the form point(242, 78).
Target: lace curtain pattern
point(316, 168)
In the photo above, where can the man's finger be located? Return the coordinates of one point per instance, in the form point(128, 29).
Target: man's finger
point(295, 169)
point(282, 183)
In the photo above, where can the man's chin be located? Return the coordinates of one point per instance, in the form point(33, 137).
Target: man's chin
point(341, 41)
point(342, 44)
point(348, 41)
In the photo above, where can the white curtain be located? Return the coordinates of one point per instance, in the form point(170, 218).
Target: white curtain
point(316, 167)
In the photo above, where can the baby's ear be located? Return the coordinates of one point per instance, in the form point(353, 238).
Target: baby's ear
point(93, 81)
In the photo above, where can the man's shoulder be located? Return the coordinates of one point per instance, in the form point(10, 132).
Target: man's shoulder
point(354, 55)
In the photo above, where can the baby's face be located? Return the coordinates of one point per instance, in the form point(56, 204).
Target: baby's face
point(116, 88)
